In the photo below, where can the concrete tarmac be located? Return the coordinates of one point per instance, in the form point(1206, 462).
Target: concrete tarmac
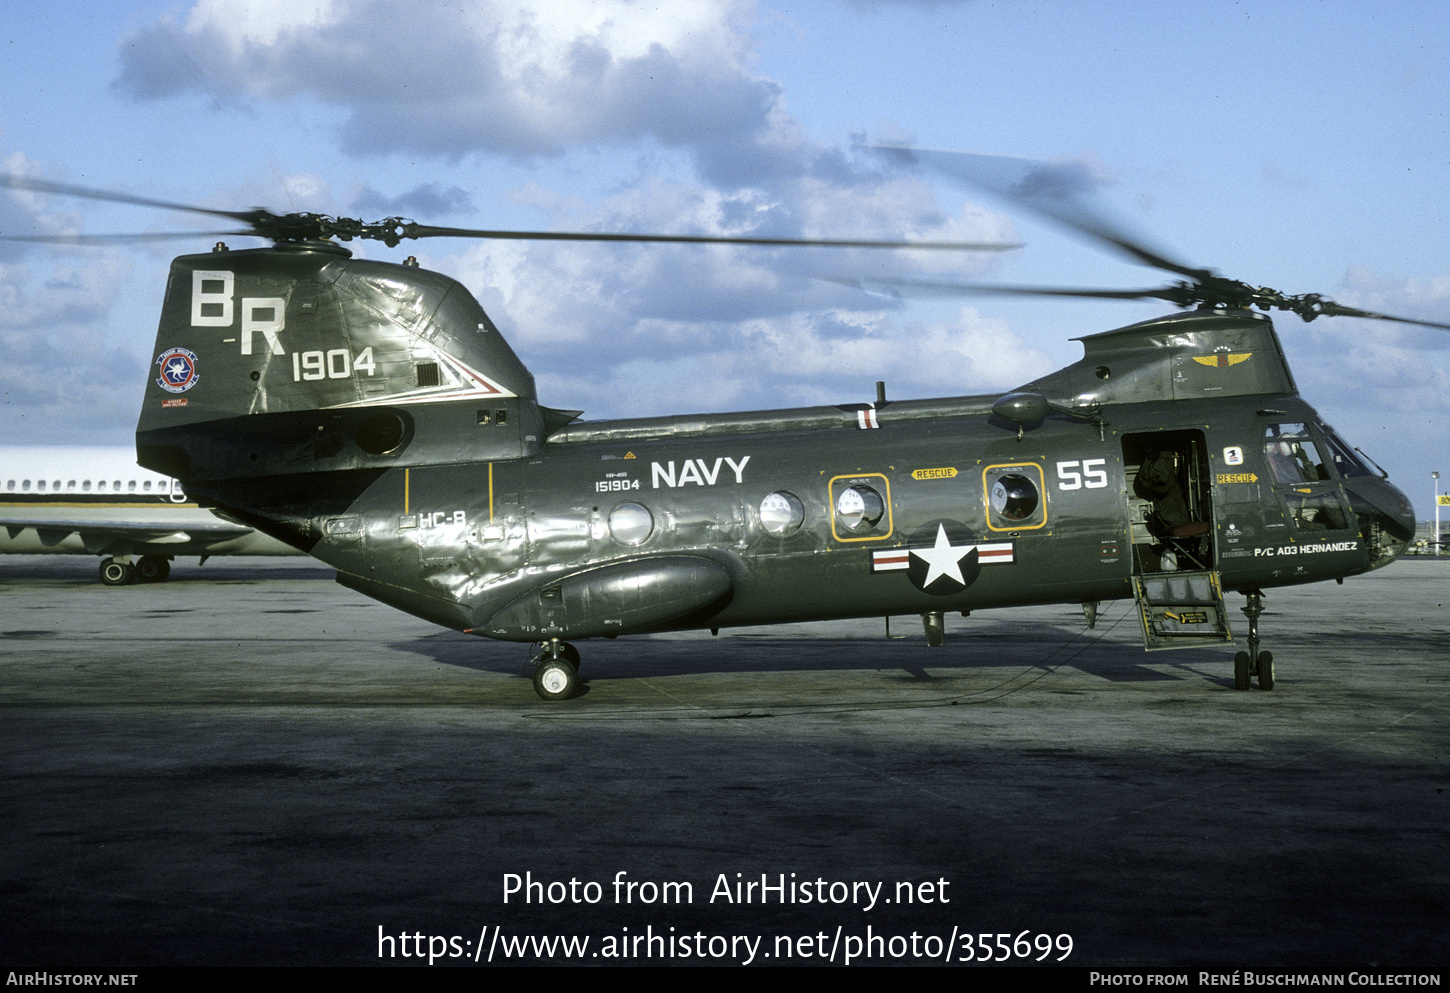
point(252, 765)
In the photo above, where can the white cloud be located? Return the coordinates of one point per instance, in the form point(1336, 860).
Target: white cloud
point(746, 320)
point(1418, 299)
point(1375, 367)
point(970, 354)
point(623, 330)
point(489, 77)
point(804, 359)
point(259, 22)
point(57, 366)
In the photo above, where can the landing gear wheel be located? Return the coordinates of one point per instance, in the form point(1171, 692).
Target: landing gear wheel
point(152, 569)
point(115, 573)
point(1253, 662)
point(555, 679)
point(1266, 670)
point(1243, 671)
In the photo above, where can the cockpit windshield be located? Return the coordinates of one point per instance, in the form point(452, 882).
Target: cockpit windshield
point(1297, 454)
point(1345, 461)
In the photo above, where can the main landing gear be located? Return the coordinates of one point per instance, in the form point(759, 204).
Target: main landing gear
point(1253, 662)
point(119, 570)
point(556, 669)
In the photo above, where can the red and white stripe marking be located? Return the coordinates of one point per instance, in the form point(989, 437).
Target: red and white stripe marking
point(899, 559)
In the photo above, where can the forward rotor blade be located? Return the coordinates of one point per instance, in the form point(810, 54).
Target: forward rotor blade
point(1308, 306)
point(907, 287)
point(1061, 192)
point(1056, 190)
point(1328, 308)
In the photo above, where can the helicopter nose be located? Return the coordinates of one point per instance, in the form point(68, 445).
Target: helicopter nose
point(1388, 516)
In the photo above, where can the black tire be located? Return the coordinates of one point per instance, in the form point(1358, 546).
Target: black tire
point(152, 569)
point(1266, 670)
point(555, 679)
point(1243, 676)
point(115, 573)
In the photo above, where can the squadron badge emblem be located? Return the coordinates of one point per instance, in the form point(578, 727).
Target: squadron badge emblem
point(177, 370)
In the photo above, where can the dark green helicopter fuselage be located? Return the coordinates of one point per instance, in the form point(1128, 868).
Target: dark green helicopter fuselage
point(371, 415)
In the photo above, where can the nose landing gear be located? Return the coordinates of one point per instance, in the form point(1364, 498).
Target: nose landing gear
point(1253, 663)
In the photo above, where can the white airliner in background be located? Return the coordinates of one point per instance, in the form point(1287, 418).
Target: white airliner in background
point(98, 501)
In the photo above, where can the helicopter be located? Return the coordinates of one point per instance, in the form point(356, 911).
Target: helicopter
point(370, 414)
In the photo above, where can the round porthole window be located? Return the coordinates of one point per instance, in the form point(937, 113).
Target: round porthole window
point(860, 508)
point(1014, 497)
point(380, 433)
point(630, 523)
point(781, 512)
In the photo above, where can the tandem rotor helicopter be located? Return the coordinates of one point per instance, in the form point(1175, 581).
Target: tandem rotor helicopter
point(370, 414)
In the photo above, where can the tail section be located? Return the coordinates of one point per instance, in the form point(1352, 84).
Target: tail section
point(286, 380)
point(300, 359)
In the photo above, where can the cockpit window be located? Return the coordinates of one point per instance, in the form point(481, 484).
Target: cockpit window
point(1292, 454)
point(1345, 461)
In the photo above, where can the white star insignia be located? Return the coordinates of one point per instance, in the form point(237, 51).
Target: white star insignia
point(942, 559)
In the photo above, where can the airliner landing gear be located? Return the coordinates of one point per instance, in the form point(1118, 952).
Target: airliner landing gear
point(152, 569)
point(1253, 662)
point(556, 670)
point(117, 572)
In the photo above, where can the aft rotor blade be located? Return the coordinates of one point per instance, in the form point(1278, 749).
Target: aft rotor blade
point(66, 189)
point(119, 239)
point(304, 226)
point(1056, 190)
point(411, 230)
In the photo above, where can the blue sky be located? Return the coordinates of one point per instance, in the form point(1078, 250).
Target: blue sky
point(1299, 145)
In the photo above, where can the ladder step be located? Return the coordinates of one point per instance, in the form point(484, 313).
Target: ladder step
point(1181, 610)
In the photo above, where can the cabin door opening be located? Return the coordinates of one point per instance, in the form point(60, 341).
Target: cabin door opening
point(1170, 508)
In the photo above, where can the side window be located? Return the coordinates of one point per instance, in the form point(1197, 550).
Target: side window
point(1297, 462)
point(1292, 455)
point(861, 507)
point(631, 523)
point(782, 513)
point(1317, 512)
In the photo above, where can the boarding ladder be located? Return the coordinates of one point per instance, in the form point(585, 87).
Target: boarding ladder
point(1181, 609)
